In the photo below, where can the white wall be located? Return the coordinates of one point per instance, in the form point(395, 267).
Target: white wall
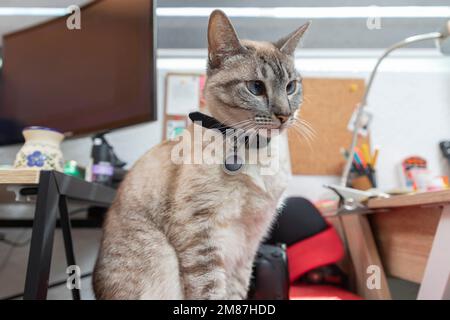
point(410, 102)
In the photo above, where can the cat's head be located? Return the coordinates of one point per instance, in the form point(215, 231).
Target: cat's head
point(251, 84)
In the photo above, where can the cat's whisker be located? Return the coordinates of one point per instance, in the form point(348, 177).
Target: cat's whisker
point(226, 124)
point(308, 131)
point(308, 97)
point(233, 125)
point(241, 131)
point(300, 119)
point(243, 126)
point(303, 136)
point(306, 126)
point(305, 130)
point(297, 134)
point(311, 136)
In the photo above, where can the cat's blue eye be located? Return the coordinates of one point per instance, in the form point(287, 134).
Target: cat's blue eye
point(291, 87)
point(256, 87)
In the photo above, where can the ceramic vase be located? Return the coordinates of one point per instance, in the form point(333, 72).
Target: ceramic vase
point(41, 150)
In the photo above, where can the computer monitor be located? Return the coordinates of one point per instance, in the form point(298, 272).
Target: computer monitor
point(81, 81)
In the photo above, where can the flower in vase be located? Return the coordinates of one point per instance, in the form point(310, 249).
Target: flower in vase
point(36, 159)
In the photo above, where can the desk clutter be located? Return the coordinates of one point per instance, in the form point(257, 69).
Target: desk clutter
point(362, 174)
point(416, 176)
point(41, 151)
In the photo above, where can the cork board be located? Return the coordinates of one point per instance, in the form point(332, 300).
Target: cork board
point(328, 106)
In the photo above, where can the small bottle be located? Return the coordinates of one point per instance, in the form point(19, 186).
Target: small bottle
point(102, 169)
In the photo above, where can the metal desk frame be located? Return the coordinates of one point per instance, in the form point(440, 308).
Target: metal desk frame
point(53, 191)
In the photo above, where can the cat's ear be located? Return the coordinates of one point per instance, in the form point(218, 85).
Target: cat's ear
point(288, 44)
point(222, 38)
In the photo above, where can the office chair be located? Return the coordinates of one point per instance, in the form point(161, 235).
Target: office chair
point(298, 260)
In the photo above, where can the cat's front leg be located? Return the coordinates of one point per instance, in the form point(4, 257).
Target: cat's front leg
point(238, 282)
point(202, 270)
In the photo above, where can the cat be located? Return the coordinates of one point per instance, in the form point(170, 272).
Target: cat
point(191, 231)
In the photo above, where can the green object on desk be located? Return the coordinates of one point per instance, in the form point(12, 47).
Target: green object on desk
point(71, 168)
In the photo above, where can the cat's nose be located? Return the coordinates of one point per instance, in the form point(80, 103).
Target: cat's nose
point(282, 118)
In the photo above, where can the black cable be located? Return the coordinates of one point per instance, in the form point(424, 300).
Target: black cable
point(9, 253)
point(15, 244)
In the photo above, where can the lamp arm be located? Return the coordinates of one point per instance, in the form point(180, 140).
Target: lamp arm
point(362, 105)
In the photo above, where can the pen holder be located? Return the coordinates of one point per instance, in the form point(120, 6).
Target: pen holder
point(363, 180)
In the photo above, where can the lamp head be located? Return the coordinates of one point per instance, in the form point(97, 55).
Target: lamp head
point(444, 42)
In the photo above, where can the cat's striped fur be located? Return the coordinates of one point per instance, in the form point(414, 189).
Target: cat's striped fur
point(192, 231)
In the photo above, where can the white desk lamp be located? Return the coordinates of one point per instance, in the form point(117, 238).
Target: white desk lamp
point(439, 37)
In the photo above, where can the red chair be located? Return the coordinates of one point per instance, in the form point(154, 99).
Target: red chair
point(298, 261)
point(308, 259)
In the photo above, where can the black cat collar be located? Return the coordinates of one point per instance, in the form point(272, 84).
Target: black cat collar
point(233, 163)
point(209, 122)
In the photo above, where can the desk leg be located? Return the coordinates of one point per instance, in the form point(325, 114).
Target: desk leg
point(436, 279)
point(39, 258)
point(364, 253)
point(67, 235)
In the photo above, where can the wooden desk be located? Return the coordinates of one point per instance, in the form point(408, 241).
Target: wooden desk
point(413, 238)
point(435, 198)
point(407, 236)
point(19, 177)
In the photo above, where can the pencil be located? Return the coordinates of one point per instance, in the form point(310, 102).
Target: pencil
point(360, 158)
point(375, 157)
point(366, 153)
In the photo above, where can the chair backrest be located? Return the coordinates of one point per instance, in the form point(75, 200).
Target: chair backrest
point(311, 241)
point(298, 219)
